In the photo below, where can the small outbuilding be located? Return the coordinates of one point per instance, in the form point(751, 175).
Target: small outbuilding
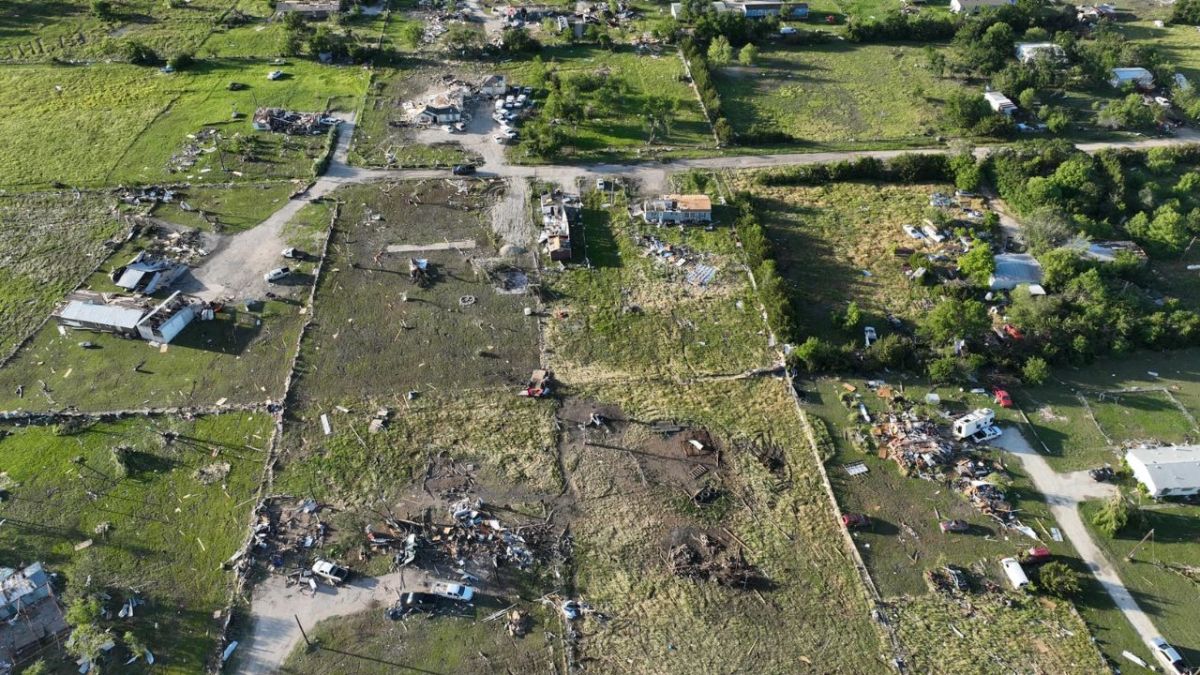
point(1138, 77)
point(494, 85)
point(1015, 269)
point(1000, 103)
point(1029, 51)
point(1172, 471)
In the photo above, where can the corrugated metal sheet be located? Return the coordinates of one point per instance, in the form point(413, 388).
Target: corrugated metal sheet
point(101, 315)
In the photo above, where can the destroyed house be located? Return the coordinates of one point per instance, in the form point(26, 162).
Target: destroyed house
point(493, 85)
point(559, 212)
point(283, 121)
point(128, 317)
point(678, 209)
point(30, 616)
point(168, 319)
point(146, 274)
point(312, 10)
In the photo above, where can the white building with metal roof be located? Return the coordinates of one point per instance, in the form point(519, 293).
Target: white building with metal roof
point(1172, 471)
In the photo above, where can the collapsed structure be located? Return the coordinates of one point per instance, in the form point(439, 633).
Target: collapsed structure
point(282, 121)
point(560, 211)
point(147, 274)
point(131, 317)
point(30, 615)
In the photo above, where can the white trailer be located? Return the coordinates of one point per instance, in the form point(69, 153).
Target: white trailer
point(1015, 573)
point(973, 422)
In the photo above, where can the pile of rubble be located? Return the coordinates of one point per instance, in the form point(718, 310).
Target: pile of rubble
point(185, 247)
point(284, 527)
point(149, 195)
point(988, 498)
point(915, 444)
point(200, 143)
point(705, 558)
point(474, 543)
point(280, 121)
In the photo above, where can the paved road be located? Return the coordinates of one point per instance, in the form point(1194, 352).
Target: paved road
point(275, 607)
point(1064, 492)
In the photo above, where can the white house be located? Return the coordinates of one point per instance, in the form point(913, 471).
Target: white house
point(1014, 269)
point(678, 209)
point(972, 6)
point(439, 114)
point(1172, 471)
point(1000, 103)
point(1136, 76)
point(493, 85)
point(1028, 51)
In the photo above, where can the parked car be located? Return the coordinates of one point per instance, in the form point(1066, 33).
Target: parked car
point(293, 253)
point(1003, 399)
point(452, 591)
point(331, 572)
point(464, 169)
point(1036, 556)
point(913, 232)
point(855, 520)
point(277, 274)
point(274, 75)
point(1013, 332)
point(954, 525)
point(1101, 474)
point(1169, 656)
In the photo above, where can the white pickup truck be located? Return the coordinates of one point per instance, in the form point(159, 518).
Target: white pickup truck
point(452, 591)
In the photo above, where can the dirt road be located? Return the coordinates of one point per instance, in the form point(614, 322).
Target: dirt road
point(276, 606)
point(1064, 492)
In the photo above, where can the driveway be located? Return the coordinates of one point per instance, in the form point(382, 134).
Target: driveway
point(275, 607)
point(1063, 492)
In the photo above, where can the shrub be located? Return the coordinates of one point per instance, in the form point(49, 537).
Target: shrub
point(1056, 578)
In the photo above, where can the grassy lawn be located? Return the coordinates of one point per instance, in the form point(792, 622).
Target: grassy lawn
point(612, 128)
point(441, 644)
point(813, 609)
point(167, 531)
point(377, 333)
point(38, 31)
point(632, 315)
point(1065, 427)
point(234, 209)
point(837, 95)
point(108, 123)
point(834, 245)
point(1001, 633)
point(1164, 576)
point(48, 243)
point(378, 143)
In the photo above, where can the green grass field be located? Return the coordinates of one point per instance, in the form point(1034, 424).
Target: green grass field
point(167, 532)
point(837, 95)
point(48, 244)
point(834, 245)
point(632, 316)
point(612, 128)
point(1165, 573)
point(233, 209)
point(108, 124)
point(377, 333)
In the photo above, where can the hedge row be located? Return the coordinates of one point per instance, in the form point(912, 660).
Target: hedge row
point(772, 291)
point(321, 162)
point(906, 168)
point(702, 78)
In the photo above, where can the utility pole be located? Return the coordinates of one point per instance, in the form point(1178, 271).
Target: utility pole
point(306, 640)
point(1149, 535)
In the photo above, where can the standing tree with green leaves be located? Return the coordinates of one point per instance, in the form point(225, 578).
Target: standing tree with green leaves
point(748, 56)
point(1035, 371)
point(1057, 579)
point(952, 319)
point(978, 264)
point(720, 52)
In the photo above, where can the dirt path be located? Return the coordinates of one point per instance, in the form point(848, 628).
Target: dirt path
point(1063, 492)
point(275, 633)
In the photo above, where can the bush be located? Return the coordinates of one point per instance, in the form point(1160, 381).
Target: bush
point(1035, 371)
point(1187, 12)
point(1057, 579)
point(1112, 517)
point(181, 61)
point(139, 54)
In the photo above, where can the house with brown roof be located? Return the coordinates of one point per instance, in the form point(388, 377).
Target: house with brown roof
point(678, 209)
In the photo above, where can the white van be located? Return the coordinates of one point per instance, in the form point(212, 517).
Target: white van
point(1015, 573)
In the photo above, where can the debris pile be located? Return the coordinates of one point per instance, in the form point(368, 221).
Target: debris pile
point(148, 195)
point(989, 499)
point(915, 444)
point(200, 143)
point(280, 121)
point(285, 526)
point(705, 558)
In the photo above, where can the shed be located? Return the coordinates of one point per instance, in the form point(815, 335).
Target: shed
point(1028, 51)
point(1000, 103)
point(1172, 471)
point(1139, 77)
point(1014, 269)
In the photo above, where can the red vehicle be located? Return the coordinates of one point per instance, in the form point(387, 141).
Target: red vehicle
point(1003, 399)
point(1036, 556)
point(855, 520)
point(1013, 332)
